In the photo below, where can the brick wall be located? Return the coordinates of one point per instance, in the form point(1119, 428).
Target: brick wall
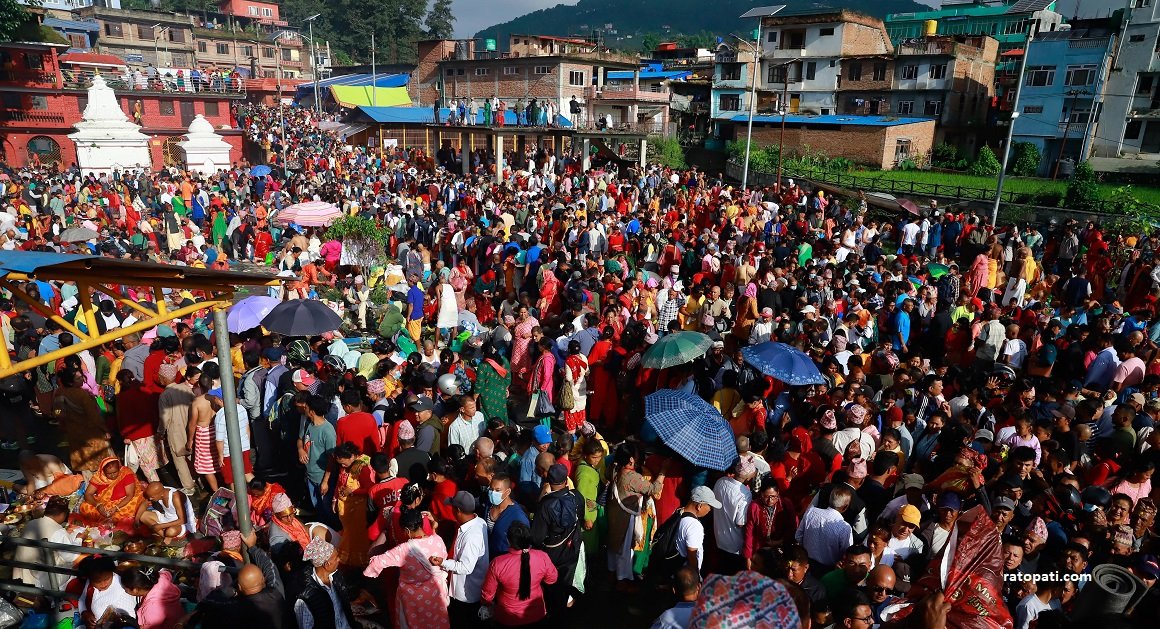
point(873, 146)
point(867, 81)
point(863, 39)
point(421, 86)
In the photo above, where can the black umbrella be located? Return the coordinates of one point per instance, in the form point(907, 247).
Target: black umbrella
point(302, 317)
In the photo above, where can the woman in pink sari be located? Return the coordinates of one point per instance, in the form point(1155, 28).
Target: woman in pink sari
point(977, 276)
point(549, 294)
point(521, 344)
point(421, 601)
point(544, 372)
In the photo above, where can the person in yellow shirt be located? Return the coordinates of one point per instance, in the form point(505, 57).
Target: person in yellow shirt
point(689, 313)
point(727, 399)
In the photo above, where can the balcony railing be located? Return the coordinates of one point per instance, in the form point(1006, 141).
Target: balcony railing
point(626, 92)
point(28, 76)
point(208, 82)
point(35, 117)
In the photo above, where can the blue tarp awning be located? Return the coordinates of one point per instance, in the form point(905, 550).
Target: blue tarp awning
point(32, 261)
point(426, 115)
point(358, 80)
point(645, 74)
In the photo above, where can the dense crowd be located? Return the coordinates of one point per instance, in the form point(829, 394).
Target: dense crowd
point(979, 455)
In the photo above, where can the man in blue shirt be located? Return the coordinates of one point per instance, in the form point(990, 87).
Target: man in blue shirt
point(686, 585)
point(900, 321)
point(415, 299)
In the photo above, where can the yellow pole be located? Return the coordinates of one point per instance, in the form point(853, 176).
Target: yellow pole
point(159, 299)
point(427, 139)
point(97, 341)
point(86, 297)
point(41, 310)
point(5, 359)
point(121, 299)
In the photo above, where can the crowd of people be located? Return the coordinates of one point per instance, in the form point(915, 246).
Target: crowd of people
point(979, 455)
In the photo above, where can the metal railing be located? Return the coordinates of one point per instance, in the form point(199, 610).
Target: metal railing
point(23, 115)
point(166, 82)
point(27, 76)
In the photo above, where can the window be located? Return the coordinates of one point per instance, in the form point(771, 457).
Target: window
point(12, 100)
point(901, 150)
point(938, 71)
point(253, 10)
point(222, 48)
point(34, 61)
point(880, 71)
point(909, 72)
point(113, 29)
point(811, 70)
point(1081, 75)
point(543, 70)
point(145, 32)
point(1135, 39)
point(854, 73)
point(1132, 131)
point(906, 107)
point(1033, 109)
point(459, 72)
point(826, 32)
point(267, 12)
point(771, 37)
point(793, 40)
point(268, 53)
point(1017, 27)
point(932, 108)
point(576, 78)
point(1040, 76)
point(39, 102)
point(268, 74)
point(1144, 85)
point(166, 107)
point(777, 74)
point(202, 46)
point(481, 72)
point(288, 54)
point(248, 51)
point(78, 41)
point(450, 71)
point(211, 108)
point(510, 70)
point(730, 102)
point(82, 102)
point(176, 36)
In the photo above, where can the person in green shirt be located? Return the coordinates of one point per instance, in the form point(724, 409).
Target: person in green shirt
point(853, 568)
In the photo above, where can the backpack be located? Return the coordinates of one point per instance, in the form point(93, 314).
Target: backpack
point(219, 514)
point(665, 554)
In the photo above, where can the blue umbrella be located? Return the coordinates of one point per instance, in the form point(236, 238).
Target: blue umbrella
point(260, 170)
point(248, 313)
point(691, 428)
point(784, 362)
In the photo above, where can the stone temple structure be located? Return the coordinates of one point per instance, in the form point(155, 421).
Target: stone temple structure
point(105, 139)
point(206, 152)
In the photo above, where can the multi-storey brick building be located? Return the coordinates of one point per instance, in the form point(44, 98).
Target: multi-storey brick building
point(162, 40)
point(40, 105)
point(553, 69)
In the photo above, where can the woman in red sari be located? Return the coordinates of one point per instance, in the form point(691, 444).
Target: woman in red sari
point(1098, 266)
point(603, 396)
point(549, 303)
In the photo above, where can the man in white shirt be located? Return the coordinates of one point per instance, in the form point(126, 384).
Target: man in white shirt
point(910, 232)
point(49, 527)
point(903, 541)
point(221, 437)
point(824, 533)
point(729, 520)
point(690, 531)
point(469, 567)
point(468, 425)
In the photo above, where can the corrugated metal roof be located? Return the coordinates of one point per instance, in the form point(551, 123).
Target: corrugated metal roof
point(835, 120)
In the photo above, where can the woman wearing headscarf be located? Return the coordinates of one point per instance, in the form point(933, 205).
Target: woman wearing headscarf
point(81, 422)
point(355, 478)
point(544, 371)
point(521, 342)
point(285, 527)
point(493, 380)
point(111, 497)
point(422, 599)
point(575, 396)
point(747, 314)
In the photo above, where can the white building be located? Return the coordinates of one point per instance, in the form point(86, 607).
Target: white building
point(1129, 126)
point(69, 5)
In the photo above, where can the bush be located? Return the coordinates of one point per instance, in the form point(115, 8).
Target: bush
point(1082, 191)
point(364, 239)
point(986, 164)
point(907, 164)
point(945, 156)
point(1027, 159)
point(668, 153)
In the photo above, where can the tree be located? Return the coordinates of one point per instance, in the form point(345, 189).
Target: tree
point(1083, 193)
point(13, 15)
point(666, 152)
point(945, 155)
point(986, 164)
point(440, 20)
point(649, 42)
point(1027, 159)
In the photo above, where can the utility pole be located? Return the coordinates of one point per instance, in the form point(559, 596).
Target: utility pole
point(374, 75)
point(1066, 132)
point(314, 64)
point(760, 13)
point(784, 106)
point(1011, 128)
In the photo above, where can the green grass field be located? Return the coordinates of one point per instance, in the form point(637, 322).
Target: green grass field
point(1029, 185)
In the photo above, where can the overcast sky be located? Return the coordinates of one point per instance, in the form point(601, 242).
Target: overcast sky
point(473, 15)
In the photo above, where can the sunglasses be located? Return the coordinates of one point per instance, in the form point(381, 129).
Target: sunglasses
point(880, 588)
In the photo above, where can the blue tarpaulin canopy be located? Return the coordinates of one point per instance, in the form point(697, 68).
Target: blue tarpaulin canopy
point(357, 80)
point(426, 115)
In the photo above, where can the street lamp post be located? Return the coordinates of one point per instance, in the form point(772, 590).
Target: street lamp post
point(760, 13)
point(281, 105)
point(314, 63)
point(1011, 130)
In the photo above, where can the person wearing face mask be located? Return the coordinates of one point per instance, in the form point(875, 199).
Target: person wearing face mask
point(502, 514)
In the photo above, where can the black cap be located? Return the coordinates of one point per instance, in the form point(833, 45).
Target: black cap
point(463, 501)
point(557, 474)
point(422, 403)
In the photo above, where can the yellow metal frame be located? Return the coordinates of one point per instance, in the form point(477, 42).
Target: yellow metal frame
point(221, 298)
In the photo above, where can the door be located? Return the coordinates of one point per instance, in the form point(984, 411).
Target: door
point(186, 112)
point(795, 103)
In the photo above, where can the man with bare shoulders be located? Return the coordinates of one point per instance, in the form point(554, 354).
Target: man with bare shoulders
point(201, 430)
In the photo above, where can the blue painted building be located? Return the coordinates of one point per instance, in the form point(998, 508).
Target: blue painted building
point(1063, 86)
